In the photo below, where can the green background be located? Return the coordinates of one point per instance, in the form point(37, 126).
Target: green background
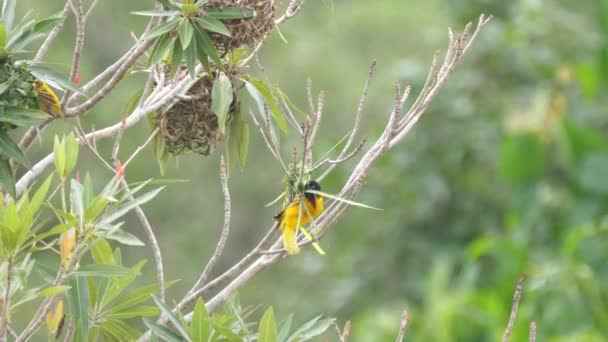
point(505, 174)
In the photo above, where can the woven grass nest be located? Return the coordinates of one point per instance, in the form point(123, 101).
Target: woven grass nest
point(244, 31)
point(190, 125)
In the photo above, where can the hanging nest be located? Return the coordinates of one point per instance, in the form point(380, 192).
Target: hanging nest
point(190, 124)
point(244, 31)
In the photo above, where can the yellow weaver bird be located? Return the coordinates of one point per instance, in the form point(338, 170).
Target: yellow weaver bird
point(288, 218)
point(49, 102)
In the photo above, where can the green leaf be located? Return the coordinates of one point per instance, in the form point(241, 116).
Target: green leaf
point(262, 95)
point(138, 311)
point(285, 327)
point(161, 29)
point(190, 57)
point(3, 38)
point(8, 13)
point(53, 78)
point(7, 178)
point(238, 141)
point(229, 13)
point(22, 116)
point(189, 8)
point(53, 291)
point(88, 192)
point(315, 244)
point(132, 104)
point(117, 330)
point(302, 329)
point(78, 298)
point(40, 194)
point(200, 327)
point(46, 24)
point(76, 201)
point(101, 270)
point(221, 98)
point(156, 13)
point(172, 317)
point(185, 31)
point(176, 57)
point(8, 146)
point(160, 48)
point(121, 211)
point(315, 330)
point(102, 252)
point(138, 296)
point(340, 199)
point(213, 25)
point(205, 45)
point(268, 327)
point(71, 150)
point(121, 236)
point(163, 332)
point(60, 156)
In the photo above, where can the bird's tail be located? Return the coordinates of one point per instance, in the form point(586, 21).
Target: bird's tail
point(289, 241)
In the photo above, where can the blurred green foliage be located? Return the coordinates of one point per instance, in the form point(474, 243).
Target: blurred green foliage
point(506, 174)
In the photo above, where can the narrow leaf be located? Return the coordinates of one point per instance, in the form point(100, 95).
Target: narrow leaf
point(340, 199)
point(53, 291)
point(8, 146)
point(53, 78)
point(221, 98)
point(101, 270)
point(213, 25)
point(177, 323)
point(268, 327)
point(200, 328)
point(163, 332)
point(229, 13)
point(6, 177)
point(185, 31)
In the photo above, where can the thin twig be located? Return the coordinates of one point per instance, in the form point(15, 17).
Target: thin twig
point(405, 321)
point(158, 258)
point(357, 122)
point(292, 10)
point(78, 10)
point(6, 300)
point(48, 41)
point(219, 248)
point(345, 333)
point(532, 337)
point(141, 147)
point(516, 299)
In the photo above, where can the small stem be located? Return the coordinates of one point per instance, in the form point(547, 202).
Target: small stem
point(6, 301)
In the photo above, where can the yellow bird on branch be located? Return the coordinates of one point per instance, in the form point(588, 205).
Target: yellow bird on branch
point(303, 210)
point(49, 102)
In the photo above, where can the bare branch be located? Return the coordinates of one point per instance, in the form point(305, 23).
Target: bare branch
point(48, 41)
point(158, 258)
point(345, 333)
point(6, 301)
point(357, 123)
point(138, 114)
point(78, 10)
point(405, 321)
point(219, 248)
point(292, 10)
point(516, 299)
point(532, 336)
